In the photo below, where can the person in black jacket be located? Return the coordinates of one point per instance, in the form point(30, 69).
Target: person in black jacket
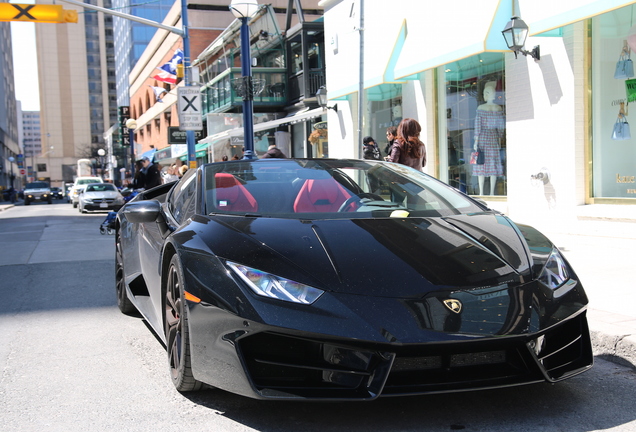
point(391, 135)
point(274, 152)
point(139, 178)
point(370, 149)
point(153, 176)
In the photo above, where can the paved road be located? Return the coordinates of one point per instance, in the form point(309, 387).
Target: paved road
point(70, 361)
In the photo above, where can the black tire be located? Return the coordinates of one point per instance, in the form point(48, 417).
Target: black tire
point(74, 205)
point(27, 202)
point(123, 302)
point(176, 328)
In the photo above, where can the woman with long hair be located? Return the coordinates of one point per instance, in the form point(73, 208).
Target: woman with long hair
point(408, 149)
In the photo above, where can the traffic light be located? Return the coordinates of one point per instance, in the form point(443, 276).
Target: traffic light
point(38, 13)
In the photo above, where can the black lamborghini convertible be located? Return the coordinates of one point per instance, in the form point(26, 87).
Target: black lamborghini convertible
point(344, 279)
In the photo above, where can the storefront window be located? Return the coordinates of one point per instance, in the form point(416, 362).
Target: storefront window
point(318, 138)
point(613, 155)
point(473, 115)
point(384, 104)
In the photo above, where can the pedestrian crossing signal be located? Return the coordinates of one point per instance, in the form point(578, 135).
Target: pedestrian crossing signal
point(36, 13)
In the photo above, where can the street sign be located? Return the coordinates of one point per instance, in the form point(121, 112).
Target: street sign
point(176, 136)
point(124, 114)
point(189, 108)
point(37, 13)
point(22, 171)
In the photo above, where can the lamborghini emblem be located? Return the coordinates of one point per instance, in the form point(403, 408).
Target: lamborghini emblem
point(453, 305)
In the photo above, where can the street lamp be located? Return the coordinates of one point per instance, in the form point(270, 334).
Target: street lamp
point(321, 97)
point(101, 153)
point(11, 160)
point(131, 124)
point(515, 34)
point(244, 10)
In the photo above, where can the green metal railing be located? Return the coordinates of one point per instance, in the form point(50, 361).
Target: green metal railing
point(219, 95)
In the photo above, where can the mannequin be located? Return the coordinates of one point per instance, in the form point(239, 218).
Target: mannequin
point(489, 128)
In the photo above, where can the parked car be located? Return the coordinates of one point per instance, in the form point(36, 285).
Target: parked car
point(100, 196)
point(37, 191)
point(67, 191)
point(344, 279)
point(79, 184)
point(57, 193)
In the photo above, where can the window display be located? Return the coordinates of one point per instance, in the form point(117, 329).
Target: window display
point(613, 147)
point(475, 124)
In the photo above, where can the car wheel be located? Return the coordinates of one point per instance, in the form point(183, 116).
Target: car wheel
point(74, 205)
point(123, 302)
point(176, 327)
point(27, 202)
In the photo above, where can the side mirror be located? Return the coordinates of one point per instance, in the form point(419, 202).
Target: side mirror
point(142, 211)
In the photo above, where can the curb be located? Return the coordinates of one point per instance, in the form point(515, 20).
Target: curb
point(613, 337)
point(5, 206)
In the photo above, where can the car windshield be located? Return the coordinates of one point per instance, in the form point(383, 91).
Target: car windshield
point(86, 181)
point(37, 185)
point(326, 189)
point(102, 187)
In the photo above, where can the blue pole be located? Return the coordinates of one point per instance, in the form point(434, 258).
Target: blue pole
point(192, 159)
point(248, 104)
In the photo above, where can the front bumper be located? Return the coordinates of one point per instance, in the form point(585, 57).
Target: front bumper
point(100, 207)
point(274, 363)
point(40, 197)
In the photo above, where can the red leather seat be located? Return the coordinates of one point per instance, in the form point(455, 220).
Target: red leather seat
point(320, 195)
point(231, 195)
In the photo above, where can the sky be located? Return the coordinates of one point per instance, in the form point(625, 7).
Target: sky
point(25, 65)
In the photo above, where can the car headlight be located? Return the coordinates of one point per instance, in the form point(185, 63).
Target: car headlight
point(268, 285)
point(555, 272)
point(119, 200)
point(87, 200)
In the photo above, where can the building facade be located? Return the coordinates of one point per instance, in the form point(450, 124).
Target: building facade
point(78, 99)
point(9, 144)
point(131, 39)
point(545, 125)
point(207, 23)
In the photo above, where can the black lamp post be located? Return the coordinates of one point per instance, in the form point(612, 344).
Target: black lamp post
point(515, 34)
point(101, 153)
point(244, 10)
point(321, 97)
point(131, 124)
point(11, 160)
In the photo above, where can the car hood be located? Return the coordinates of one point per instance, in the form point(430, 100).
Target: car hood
point(390, 257)
point(37, 190)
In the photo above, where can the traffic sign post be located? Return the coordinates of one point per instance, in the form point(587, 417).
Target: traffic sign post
point(189, 106)
point(38, 13)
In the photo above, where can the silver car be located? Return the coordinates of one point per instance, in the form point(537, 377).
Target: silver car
point(101, 197)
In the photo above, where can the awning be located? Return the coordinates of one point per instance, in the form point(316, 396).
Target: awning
point(300, 116)
point(199, 151)
point(447, 34)
point(562, 13)
point(291, 119)
point(150, 154)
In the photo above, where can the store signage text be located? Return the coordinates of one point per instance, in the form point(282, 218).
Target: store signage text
point(625, 179)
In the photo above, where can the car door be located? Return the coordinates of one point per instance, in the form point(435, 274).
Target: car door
point(179, 203)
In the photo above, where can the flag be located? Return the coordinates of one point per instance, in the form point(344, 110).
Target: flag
point(158, 92)
point(168, 72)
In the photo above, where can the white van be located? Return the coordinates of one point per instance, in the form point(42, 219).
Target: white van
point(78, 187)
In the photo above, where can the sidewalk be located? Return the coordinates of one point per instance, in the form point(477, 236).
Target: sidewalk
point(599, 242)
point(5, 206)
